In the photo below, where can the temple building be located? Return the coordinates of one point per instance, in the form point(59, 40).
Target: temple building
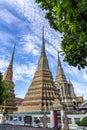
point(46, 100)
point(9, 105)
point(41, 94)
point(64, 88)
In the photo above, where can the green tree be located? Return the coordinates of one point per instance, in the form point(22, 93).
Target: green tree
point(7, 96)
point(69, 17)
point(2, 89)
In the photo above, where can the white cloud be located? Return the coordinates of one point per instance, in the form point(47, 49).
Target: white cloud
point(31, 11)
point(72, 71)
point(80, 89)
point(85, 74)
point(36, 16)
point(5, 38)
point(19, 71)
point(3, 64)
point(22, 71)
point(30, 44)
point(7, 16)
point(52, 51)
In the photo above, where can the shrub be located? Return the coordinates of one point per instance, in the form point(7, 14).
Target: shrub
point(78, 122)
point(36, 120)
point(84, 121)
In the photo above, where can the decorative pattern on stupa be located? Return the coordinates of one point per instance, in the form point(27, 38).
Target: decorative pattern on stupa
point(10, 103)
point(64, 87)
point(41, 94)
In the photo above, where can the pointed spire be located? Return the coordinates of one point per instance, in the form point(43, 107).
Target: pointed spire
point(43, 45)
point(43, 62)
point(60, 76)
point(12, 57)
point(8, 76)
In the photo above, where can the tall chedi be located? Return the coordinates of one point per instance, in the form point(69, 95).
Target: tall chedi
point(64, 87)
point(41, 94)
point(10, 104)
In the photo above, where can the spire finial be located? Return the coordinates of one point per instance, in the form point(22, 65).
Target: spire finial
point(43, 33)
point(43, 46)
point(59, 63)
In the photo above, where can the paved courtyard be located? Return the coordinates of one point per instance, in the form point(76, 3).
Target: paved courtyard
point(17, 127)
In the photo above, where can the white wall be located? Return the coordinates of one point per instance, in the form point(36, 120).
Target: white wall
point(73, 117)
point(17, 122)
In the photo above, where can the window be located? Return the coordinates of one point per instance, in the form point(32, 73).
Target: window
point(15, 118)
point(58, 113)
point(11, 118)
point(59, 116)
point(20, 118)
point(59, 119)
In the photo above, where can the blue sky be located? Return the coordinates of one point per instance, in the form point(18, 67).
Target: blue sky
point(21, 22)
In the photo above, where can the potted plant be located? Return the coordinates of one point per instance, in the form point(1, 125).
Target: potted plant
point(37, 121)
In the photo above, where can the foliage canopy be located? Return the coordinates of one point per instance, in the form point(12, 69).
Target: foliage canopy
point(69, 17)
point(7, 95)
point(2, 88)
